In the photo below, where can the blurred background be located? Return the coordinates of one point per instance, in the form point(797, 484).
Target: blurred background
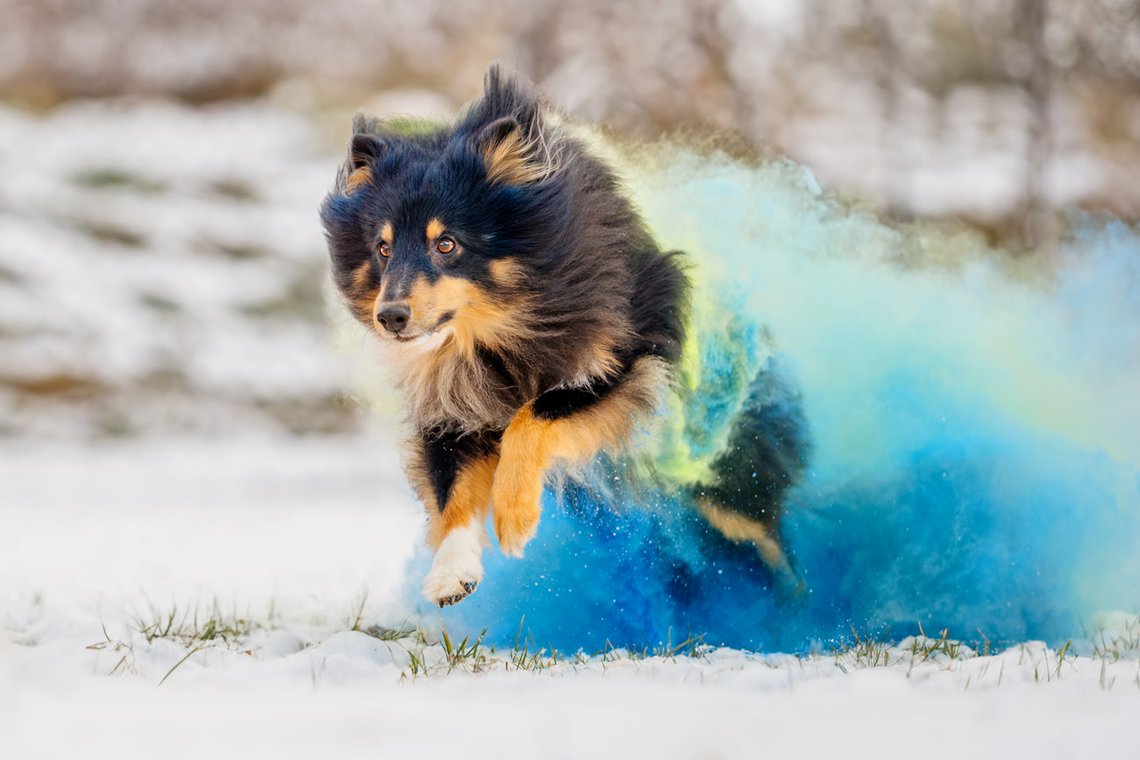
point(162, 270)
point(182, 421)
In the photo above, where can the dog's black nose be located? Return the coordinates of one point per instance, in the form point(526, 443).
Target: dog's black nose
point(394, 318)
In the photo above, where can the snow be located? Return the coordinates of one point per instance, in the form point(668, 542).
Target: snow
point(645, 713)
point(146, 273)
point(293, 532)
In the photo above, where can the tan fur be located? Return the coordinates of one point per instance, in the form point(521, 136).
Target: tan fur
point(435, 228)
point(477, 317)
point(387, 233)
point(480, 319)
point(514, 160)
point(507, 273)
point(740, 529)
point(364, 292)
point(517, 490)
point(469, 499)
point(446, 384)
point(362, 276)
point(601, 361)
point(531, 446)
point(361, 176)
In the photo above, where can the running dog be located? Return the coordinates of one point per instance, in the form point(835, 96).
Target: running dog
point(532, 321)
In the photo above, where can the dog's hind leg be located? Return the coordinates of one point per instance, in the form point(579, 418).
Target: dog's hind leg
point(453, 475)
point(739, 528)
point(765, 453)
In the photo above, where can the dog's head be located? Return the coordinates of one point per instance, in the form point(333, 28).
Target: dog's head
point(433, 232)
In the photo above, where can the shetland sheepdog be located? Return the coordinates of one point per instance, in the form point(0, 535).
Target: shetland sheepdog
point(532, 322)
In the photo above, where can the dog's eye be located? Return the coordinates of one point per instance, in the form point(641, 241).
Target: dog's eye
point(385, 250)
point(445, 244)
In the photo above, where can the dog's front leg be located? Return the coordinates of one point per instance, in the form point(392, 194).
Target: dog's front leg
point(564, 425)
point(517, 490)
point(453, 475)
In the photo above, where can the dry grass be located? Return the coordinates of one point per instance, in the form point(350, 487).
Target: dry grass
point(433, 652)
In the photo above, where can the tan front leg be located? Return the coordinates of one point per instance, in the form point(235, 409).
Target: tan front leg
point(517, 491)
point(531, 444)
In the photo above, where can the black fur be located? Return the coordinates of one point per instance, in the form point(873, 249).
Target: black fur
point(447, 452)
point(562, 402)
point(766, 451)
point(586, 255)
point(581, 258)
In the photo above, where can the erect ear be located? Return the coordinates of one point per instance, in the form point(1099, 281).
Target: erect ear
point(510, 155)
point(363, 154)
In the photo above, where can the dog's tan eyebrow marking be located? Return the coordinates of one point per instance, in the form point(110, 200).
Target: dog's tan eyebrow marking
point(386, 233)
point(435, 228)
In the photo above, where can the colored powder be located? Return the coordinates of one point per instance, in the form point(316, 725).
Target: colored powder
point(974, 420)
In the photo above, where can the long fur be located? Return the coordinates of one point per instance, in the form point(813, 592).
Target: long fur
point(549, 330)
point(597, 291)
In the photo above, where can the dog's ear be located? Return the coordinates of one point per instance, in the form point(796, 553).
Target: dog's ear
point(510, 130)
point(364, 153)
point(511, 155)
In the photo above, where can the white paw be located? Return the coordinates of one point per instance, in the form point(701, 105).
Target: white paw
point(458, 565)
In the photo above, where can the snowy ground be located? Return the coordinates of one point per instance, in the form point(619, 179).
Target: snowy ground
point(288, 536)
point(193, 523)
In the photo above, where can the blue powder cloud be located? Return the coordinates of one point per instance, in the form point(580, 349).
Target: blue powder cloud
point(975, 421)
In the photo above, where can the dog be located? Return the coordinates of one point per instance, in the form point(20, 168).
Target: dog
point(531, 320)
